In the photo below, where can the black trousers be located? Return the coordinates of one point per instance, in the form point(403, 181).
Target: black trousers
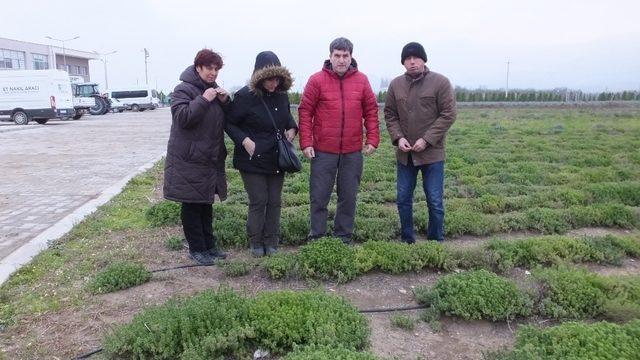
point(197, 223)
point(265, 202)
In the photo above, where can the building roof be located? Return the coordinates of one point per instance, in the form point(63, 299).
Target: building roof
point(75, 53)
point(58, 50)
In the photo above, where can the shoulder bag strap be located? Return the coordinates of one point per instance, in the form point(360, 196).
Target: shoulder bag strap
point(278, 136)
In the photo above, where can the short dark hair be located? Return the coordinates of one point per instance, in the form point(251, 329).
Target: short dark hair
point(206, 57)
point(341, 44)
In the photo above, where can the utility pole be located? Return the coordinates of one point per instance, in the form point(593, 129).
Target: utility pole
point(64, 51)
point(506, 92)
point(104, 60)
point(146, 74)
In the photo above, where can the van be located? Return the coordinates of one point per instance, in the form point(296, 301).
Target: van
point(38, 95)
point(136, 99)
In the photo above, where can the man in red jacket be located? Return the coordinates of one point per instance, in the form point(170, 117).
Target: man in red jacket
point(336, 102)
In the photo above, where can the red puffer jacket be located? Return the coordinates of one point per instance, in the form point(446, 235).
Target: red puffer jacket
point(332, 109)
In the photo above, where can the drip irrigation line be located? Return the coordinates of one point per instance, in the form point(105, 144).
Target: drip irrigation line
point(178, 267)
point(402, 308)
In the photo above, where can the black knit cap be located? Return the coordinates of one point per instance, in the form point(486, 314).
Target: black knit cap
point(266, 58)
point(413, 49)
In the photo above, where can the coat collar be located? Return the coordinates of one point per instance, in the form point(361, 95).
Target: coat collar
point(353, 68)
point(190, 75)
point(411, 79)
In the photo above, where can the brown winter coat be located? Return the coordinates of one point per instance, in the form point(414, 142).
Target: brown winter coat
point(195, 165)
point(424, 107)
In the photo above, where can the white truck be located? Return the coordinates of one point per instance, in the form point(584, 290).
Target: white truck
point(38, 95)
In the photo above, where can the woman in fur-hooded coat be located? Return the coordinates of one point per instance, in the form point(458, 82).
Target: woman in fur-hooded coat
point(252, 130)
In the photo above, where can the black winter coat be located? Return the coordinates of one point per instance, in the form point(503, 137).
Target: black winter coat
point(195, 164)
point(248, 118)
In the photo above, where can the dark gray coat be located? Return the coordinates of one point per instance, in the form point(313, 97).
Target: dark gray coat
point(195, 165)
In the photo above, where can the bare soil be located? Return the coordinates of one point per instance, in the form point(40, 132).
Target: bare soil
point(76, 330)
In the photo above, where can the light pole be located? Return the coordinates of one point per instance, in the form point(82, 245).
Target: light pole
point(506, 93)
point(106, 79)
point(146, 75)
point(64, 52)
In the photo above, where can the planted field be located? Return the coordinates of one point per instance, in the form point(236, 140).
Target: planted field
point(542, 231)
point(546, 171)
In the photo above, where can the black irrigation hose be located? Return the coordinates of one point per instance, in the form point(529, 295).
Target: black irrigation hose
point(178, 267)
point(405, 308)
point(366, 311)
point(88, 355)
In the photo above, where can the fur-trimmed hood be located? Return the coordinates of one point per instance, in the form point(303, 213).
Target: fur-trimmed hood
point(255, 84)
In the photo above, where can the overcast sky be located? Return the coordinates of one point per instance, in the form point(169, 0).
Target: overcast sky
point(589, 45)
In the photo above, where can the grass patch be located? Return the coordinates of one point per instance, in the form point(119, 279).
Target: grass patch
point(209, 325)
point(281, 265)
point(570, 294)
point(223, 324)
point(328, 259)
point(404, 322)
point(431, 316)
point(164, 213)
point(396, 257)
point(578, 294)
point(119, 276)
point(547, 250)
point(471, 258)
point(287, 318)
point(328, 353)
point(476, 295)
point(235, 268)
point(173, 243)
point(575, 341)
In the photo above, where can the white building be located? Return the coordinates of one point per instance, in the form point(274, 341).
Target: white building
point(24, 55)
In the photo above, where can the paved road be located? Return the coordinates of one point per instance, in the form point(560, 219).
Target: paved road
point(49, 171)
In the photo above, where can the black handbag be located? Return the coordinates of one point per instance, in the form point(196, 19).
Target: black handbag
point(288, 160)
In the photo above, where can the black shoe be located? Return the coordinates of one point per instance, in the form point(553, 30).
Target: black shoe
point(345, 239)
point(202, 258)
point(257, 251)
point(311, 238)
point(217, 254)
point(270, 250)
point(409, 241)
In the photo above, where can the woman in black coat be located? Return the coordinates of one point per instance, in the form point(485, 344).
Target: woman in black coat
point(254, 135)
point(195, 165)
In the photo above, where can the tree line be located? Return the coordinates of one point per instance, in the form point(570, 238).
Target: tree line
point(523, 95)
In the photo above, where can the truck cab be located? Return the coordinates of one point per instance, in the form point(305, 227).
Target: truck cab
point(89, 94)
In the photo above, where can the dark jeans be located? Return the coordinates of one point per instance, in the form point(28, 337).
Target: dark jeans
point(265, 202)
point(197, 223)
point(326, 168)
point(433, 186)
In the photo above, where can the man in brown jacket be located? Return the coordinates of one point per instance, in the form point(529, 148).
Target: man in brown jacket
point(419, 110)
